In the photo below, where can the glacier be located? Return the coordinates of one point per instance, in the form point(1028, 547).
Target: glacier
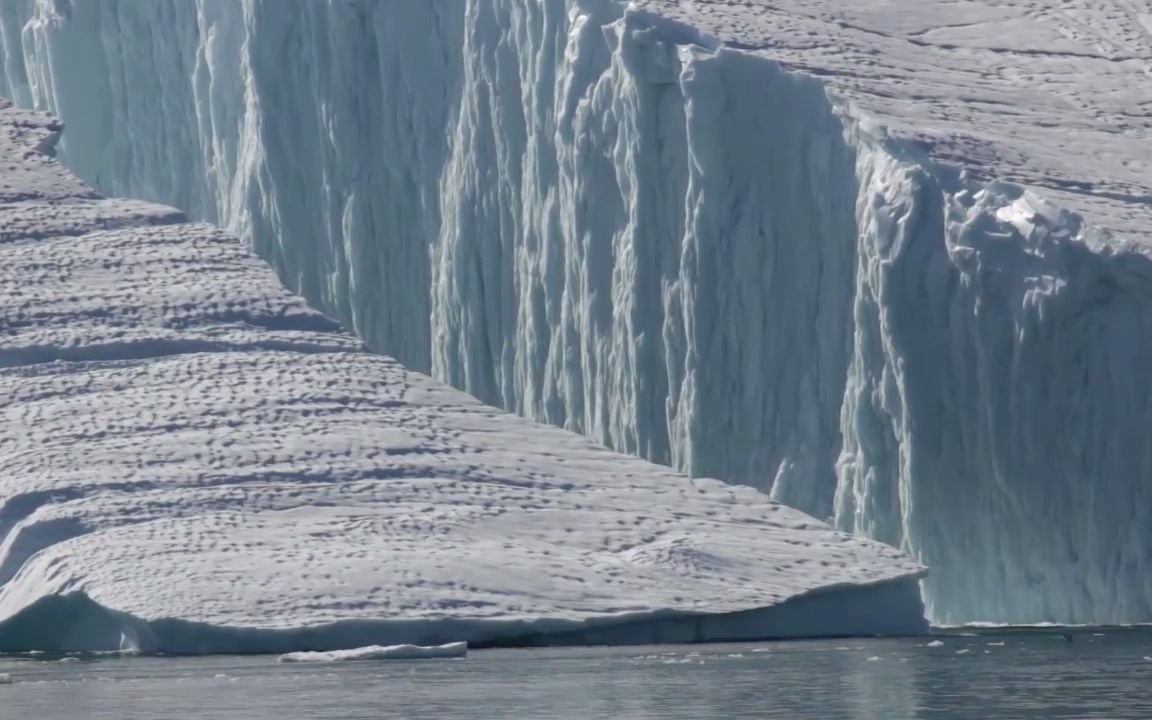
point(885, 261)
point(196, 461)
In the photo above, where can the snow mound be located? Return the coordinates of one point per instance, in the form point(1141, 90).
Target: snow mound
point(379, 652)
point(195, 461)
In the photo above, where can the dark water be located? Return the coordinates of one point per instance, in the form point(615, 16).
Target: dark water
point(1101, 674)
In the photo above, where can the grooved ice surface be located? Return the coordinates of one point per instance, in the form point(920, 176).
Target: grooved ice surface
point(810, 282)
point(194, 460)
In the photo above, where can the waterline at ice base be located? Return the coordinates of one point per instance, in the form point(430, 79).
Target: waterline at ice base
point(800, 247)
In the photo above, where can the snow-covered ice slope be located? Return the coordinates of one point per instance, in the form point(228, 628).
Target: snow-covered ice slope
point(192, 460)
point(767, 242)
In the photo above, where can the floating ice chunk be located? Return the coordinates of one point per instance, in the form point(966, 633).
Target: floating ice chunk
point(380, 652)
point(171, 339)
point(6, 679)
point(936, 643)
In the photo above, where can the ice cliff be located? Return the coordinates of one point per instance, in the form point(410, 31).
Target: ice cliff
point(764, 243)
point(195, 461)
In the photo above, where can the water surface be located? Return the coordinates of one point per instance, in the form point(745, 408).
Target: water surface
point(1101, 674)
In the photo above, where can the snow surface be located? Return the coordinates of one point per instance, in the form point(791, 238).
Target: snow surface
point(768, 242)
point(380, 652)
point(1052, 94)
point(195, 461)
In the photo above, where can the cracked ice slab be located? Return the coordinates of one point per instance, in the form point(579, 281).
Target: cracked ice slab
point(195, 461)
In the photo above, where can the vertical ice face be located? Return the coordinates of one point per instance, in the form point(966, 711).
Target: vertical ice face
point(649, 242)
point(996, 411)
point(601, 219)
point(315, 129)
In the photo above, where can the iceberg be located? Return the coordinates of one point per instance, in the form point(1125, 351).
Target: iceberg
point(195, 461)
point(887, 262)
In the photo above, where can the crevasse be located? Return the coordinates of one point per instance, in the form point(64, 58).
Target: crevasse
point(602, 219)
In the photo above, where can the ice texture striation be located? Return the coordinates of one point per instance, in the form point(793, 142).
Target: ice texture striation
point(194, 461)
point(764, 242)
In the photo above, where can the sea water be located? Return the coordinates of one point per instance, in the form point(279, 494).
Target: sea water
point(1089, 674)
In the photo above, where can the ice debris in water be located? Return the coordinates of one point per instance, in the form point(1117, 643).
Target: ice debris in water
point(380, 652)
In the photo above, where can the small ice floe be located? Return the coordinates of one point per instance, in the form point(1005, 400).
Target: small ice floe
point(935, 643)
point(5, 679)
point(996, 644)
point(965, 651)
point(380, 652)
point(874, 658)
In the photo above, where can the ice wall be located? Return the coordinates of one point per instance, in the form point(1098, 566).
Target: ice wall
point(601, 219)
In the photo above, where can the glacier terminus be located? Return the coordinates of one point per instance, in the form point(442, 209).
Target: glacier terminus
point(886, 262)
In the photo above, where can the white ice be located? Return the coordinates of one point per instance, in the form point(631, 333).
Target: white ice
point(196, 461)
point(768, 242)
point(380, 652)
